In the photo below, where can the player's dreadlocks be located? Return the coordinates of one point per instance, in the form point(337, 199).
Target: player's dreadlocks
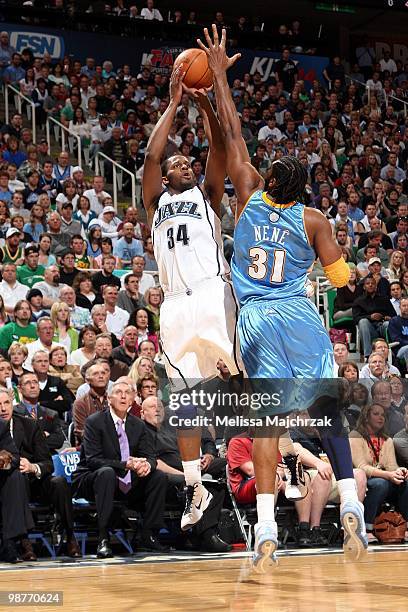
point(290, 180)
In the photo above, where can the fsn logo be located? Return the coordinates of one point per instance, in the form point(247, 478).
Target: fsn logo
point(38, 43)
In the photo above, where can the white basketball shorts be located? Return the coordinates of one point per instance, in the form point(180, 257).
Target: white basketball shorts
point(197, 328)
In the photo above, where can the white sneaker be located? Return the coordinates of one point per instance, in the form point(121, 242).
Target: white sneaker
point(266, 543)
point(355, 536)
point(197, 501)
point(296, 487)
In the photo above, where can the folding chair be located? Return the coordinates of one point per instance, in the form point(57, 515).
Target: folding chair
point(287, 520)
point(242, 519)
point(44, 519)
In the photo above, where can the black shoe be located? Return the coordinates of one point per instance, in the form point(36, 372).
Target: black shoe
point(213, 543)
point(27, 550)
point(9, 552)
point(296, 487)
point(303, 537)
point(104, 551)
point(150, 542)
point(73, 549)
point(317, 538)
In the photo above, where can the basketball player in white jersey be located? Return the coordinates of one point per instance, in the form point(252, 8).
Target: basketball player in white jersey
point(199, 312)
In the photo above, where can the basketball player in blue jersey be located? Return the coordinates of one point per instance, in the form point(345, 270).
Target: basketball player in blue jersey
point(275, 242)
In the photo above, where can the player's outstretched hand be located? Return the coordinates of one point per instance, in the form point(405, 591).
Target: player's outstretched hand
point(218, 59)
point(176, 84)
point(197, 94)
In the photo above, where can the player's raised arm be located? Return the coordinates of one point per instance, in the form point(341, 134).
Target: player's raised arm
point(215, 170)
point(152, 174)
point(319, 232)
point(243, 175)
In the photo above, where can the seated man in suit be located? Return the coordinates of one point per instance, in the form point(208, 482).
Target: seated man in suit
point(169, 461)
point(15, 513)
point(118, 462)
point(30, 407)
point(36, 464)
point(54, 393)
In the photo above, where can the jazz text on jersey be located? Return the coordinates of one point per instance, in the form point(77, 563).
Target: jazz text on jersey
point(174, 209)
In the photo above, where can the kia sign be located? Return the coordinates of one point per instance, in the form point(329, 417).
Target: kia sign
point(39, 43)
point(310, 67)
point(161, 59)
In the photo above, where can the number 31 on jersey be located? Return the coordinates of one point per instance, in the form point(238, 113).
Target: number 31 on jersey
point(259, 267)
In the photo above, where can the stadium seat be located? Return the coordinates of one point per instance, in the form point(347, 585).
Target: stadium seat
point(84, 526)
point(328, 300)
point(44, 519)
point(241, 512)
point(344, 322)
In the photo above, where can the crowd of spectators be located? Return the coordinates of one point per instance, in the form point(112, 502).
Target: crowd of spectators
point(284, 35)
point(79, 299)
point(131, 19)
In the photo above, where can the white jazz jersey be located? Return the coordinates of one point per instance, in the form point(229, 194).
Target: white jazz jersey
point(187, 241)
point(198, 318)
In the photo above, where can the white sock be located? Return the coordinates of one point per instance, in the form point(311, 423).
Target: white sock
point(347, 490)
point(265, 506)
point(192, 471)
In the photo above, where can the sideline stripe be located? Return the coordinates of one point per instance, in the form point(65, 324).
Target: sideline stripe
point(180, 557)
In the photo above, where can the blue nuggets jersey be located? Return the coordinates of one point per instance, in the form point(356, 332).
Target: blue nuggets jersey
point(280, 331)
point(271, 251)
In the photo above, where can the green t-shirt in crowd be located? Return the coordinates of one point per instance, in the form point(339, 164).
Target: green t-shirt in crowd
point(29, 277)
point(12, 332)
point(82, 262)
point(8, 258)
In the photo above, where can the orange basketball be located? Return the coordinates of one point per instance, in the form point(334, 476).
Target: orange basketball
point(195, 64)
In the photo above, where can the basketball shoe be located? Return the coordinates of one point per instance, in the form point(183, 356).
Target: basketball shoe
point(197, 501)
point(266, 543)
point(355, 537)
point(296, 487)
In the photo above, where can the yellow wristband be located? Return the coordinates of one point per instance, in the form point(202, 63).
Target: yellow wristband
point(338, 273)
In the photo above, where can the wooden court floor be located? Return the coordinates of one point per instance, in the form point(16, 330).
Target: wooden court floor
point(318, 583)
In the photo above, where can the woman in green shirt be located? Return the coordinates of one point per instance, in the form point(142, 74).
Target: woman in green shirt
point(154, 298)
point(63, 332)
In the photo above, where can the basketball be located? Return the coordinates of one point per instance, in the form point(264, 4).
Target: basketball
point(198, 73)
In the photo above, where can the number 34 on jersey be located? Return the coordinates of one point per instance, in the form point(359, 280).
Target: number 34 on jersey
point(177, 234)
